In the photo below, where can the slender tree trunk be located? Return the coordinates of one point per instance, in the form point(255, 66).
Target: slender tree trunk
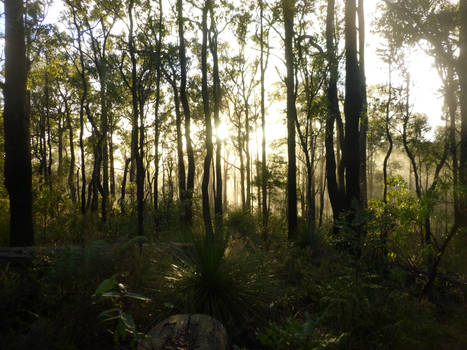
point(207, 121)
point(18, 172)
point(217, 105)
point(157, 116)
point(190, 182)
point(112, 160)
point(364, 112)
point(137, 143)
point(264, 177)
point(352, 108)
point(82, 108)
point(451, 102)
point(288, 7)
point(242, 165)
point(333, 113)
point(462, 71)
point(248, 156)
point(388, 135)
point(123, 188)
point(180, 158)
point(71, 169)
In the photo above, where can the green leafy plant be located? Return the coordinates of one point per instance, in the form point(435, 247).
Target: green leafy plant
point(118, 295)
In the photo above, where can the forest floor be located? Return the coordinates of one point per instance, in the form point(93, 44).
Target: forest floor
point(108, 290)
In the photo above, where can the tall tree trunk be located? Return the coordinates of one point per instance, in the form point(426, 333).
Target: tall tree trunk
point(217, 105)
point(288, 7)
point(451, 101)
point(364, 112)
point(333, 113)
point(352, 108)
point(157, 116)
point(248, 155)
point(264, 178)
point(242, 165)
point(82, 108)
point(388, 134)
point(178, 127)
point(190, 181)
point(71, 169)
point(104, 149)
point(462, 71)
point(137, 143)
point(111, 159)
point(207, 121)
point(18, 172)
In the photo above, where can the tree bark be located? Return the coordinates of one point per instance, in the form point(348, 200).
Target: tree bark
point(352, 109)
point(364, 112)
point(333, 113)
point(18, 172)
point(217, 102)
point(207, 121)
point(288, 7)
point(264, 178)
point(190, 181)
point(462, 70)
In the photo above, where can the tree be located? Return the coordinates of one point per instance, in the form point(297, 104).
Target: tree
point(288, 8)
point(335, 190)
point(190, 183)
point(352, 108)
point(18, 172)
point(462, 71)
point(207, 122)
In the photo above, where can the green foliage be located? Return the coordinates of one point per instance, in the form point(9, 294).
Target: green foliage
point(117, 293)
point(221, 278)
point(298, 334)
point(241, 222)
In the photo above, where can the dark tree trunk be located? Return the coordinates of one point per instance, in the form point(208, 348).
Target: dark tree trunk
point(190, 181)
point(333, 113)
point(364, 113)
point(178, 126)
point(111, 159)
point(123, 188)
point(207, 121)
point(157, 116)
point(71, 169)
point(352, 109)
point(288, 7)
point(18, 172)
point(388, 135)
point(462, 71)
point(264, 178)
point(82, 108)
point(217, 103)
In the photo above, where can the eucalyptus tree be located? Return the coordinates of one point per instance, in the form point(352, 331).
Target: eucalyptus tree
point(462, 71)
point(190, 183)
point(336, 190)
point(439, 24)
point(207, 121)
point(138, 76)
point(288, 11)
point(352, 109)
point(241, 73)
point(18, 174)
point(310, 78)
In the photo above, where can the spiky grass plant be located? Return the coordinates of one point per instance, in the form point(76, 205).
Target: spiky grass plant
point(222, 278)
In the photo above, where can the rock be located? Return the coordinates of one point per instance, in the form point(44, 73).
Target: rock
point(183, 332)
